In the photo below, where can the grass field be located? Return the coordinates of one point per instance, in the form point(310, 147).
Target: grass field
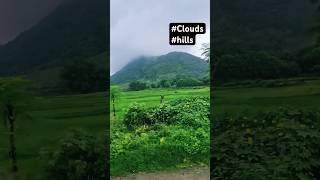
point(52, 118)
point(235, 101)
point(141, 150)
point(152, 97)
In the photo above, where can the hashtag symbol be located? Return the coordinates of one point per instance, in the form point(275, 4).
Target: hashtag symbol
point(173, 40)
point(173, 28)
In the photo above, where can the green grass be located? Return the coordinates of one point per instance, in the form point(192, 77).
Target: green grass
point(235, 101)
point(152, 97)
point(229, 100)
point(52, 118)
point(148, 154)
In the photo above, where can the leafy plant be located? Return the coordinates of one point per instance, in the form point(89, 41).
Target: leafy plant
point(79, 156)
point(137, 115)
point(165, 136)
point(13, 100)
point(283, 144)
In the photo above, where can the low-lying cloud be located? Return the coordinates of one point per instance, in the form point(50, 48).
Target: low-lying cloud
point(141, 27)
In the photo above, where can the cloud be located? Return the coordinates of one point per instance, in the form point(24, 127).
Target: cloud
point(140, 27)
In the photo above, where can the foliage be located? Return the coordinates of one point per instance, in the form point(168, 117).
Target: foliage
point(188, 82)
point(161, 67)
point(116, 91)
point(206, 51)
point(13, 90)
point(137, 86)
point(137, 115)
point(253, 65)
point(165, 136)
point(84, 77)
point(14, 93)
point(192, 111)
point(282, 144)
point(262, 25)
point(79, 156)
point(164, 83)
point(51, 118)
point(309, 60)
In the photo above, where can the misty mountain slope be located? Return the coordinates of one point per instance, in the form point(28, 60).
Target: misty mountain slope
point(50, 77)
point(269, 25)
point(77, 28)
point(165, 66)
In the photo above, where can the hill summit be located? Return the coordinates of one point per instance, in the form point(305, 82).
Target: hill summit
point(158, 67)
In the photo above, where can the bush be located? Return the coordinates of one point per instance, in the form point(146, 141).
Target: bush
point(166, 136)
point(283, 144)
point(79, 156)
point(253, 65)
point(164, 83)
point(192, 112)
point(83, 76)
point(137, 86)
point(164, 113)
point(137, 115)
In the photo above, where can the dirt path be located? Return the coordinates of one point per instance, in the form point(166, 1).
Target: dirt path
point(202, 173)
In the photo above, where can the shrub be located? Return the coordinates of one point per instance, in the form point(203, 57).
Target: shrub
point(137, 115)
point(164, 83)
point(83, 76)
point(166, 136)
point(164, 113)
point(79, 156)
point(137, 86)
point(192, 112)
point(283, 144)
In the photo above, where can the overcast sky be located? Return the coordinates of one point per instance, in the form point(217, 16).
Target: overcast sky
point(18, 15)
point(140, 27)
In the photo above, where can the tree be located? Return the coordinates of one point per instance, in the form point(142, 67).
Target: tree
point(114, 94)
point(84, 76)
point(164, 83)
point(13, 99)
point(206, 51)
point(137, 86)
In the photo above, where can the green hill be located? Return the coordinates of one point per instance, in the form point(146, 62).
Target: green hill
point(49, 78)
point(270, 25)
point(77, 28)
point(165, 66)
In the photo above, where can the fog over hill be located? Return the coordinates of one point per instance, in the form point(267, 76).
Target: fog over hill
point(152, 68)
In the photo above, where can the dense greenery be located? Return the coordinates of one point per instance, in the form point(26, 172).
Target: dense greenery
point(255, 139)
point(258, 40)
point(13, 101)
point(282, 144)
point(84, 76)
point(271, 25)
point(51, 118)
point(161, 67)
point(137, 85)
point(161, 137)
point(244, 65)
point(80, 156)
point(230, 103)
point(177, 81)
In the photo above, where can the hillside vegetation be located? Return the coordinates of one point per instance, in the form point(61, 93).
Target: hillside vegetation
point(76, 29)
point(161, 67)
